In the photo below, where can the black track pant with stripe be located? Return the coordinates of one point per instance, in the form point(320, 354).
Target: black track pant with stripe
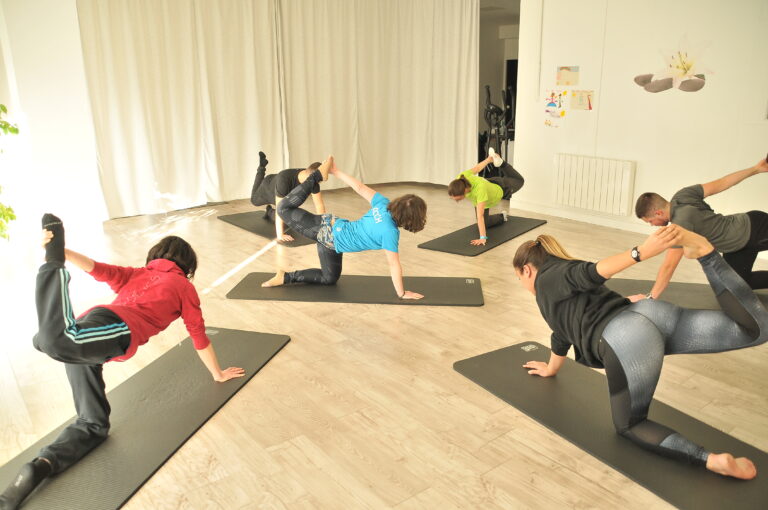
point(83, 345)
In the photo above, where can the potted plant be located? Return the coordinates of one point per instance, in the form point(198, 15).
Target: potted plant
point(6, 212)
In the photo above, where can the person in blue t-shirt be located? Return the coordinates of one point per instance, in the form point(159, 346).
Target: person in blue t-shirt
point(376, 230)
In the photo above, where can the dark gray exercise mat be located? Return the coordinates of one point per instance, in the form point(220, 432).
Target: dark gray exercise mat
point(437, 291)
point(688, 295)
point(153, 414)
point(575, 405)
point(458, 242)
point(253, 221)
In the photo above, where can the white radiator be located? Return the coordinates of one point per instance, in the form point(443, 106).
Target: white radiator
point(597, 184)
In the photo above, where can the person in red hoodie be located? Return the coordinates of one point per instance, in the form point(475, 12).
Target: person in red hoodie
point(148, 300)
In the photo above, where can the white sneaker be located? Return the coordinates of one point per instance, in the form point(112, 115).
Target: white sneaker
point(497, 161)
point(505, 215)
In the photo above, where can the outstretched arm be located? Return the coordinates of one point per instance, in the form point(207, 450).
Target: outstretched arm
point(85, 263)
point(546, 369)
point(78, 259)
point(280, 224)
point(484, 163)
point(480, 212)
point(667, 269)
point(208, 357)
point(663, 238)
point(396, 271)
point(360, 188)
point(723, 183)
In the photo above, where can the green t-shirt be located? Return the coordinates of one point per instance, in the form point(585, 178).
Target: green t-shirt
point(482, 190)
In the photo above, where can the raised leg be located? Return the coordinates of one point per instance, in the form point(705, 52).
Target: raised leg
point(93, 339)
point(300, 220)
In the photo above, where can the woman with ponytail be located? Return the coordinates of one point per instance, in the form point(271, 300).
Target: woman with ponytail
point(630, 340)
point(486, 193)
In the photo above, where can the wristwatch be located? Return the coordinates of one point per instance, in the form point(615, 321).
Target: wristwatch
point(635, 253)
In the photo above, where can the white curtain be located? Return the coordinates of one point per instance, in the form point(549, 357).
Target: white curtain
point(183, 97)
point(389, 87)
point(186, 92)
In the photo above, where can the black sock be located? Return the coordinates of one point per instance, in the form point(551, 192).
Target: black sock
point(54, 250)
point(269, 214)
point(29, 476)
point(263, 161)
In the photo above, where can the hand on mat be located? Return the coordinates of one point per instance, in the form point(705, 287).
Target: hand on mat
point(634, 298)
point(412, 295)
point(538, 368)
point(663, 238)
point(230, 373)
point(285, 238)
point(478, 242)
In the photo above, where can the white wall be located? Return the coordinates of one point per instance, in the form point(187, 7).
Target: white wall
point(677, 138)
point(53, 166)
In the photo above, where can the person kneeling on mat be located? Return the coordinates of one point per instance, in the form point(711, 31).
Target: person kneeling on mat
point(376, 230)
point(630, 340)
point(486, 193)
point(269, 190)
point(148, 300)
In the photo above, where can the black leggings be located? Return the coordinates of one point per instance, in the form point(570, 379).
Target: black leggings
point(743, 260)
point(510, 181)
point(308, 224)
point(635, 342)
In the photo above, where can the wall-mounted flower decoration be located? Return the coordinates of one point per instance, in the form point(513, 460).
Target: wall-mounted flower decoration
point(683, 70)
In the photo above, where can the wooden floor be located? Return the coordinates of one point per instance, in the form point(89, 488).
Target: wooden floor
point(362, 409)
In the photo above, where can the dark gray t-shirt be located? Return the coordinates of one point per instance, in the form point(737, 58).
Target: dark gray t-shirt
point(726, 233)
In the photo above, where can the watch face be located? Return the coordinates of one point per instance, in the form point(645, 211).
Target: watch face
point(635, 253)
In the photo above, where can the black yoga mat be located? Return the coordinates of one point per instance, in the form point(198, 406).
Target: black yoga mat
point(153, 414)
point(437, 291)
point(253, 221)
point(575, 405)
point(688, 295)
point(458, 242)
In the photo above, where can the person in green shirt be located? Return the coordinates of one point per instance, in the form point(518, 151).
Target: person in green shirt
point(486, 193)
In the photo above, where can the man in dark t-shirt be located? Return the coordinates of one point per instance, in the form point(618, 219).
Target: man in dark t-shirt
point(270, 189)
point(739, 237)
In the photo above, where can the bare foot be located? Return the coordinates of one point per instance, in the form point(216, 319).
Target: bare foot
point(724, 464)
point(694, 245)
point(275, 281)
point(325, 167)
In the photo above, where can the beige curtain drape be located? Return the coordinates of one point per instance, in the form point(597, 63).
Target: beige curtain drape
point(186, 92)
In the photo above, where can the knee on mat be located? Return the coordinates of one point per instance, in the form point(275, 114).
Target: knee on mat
point(329, 279)
point(98, 432)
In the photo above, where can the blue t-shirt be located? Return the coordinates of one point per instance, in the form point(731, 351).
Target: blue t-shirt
point(374, 231)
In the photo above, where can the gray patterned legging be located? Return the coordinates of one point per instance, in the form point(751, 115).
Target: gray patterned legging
point(308, 224)
point(635, 342)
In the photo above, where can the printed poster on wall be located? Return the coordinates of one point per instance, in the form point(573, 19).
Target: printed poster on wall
point(554, 107)
point(567, 76)
point(582, 100)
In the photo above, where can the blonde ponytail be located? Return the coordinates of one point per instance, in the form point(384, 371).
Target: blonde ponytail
point(536, 252)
